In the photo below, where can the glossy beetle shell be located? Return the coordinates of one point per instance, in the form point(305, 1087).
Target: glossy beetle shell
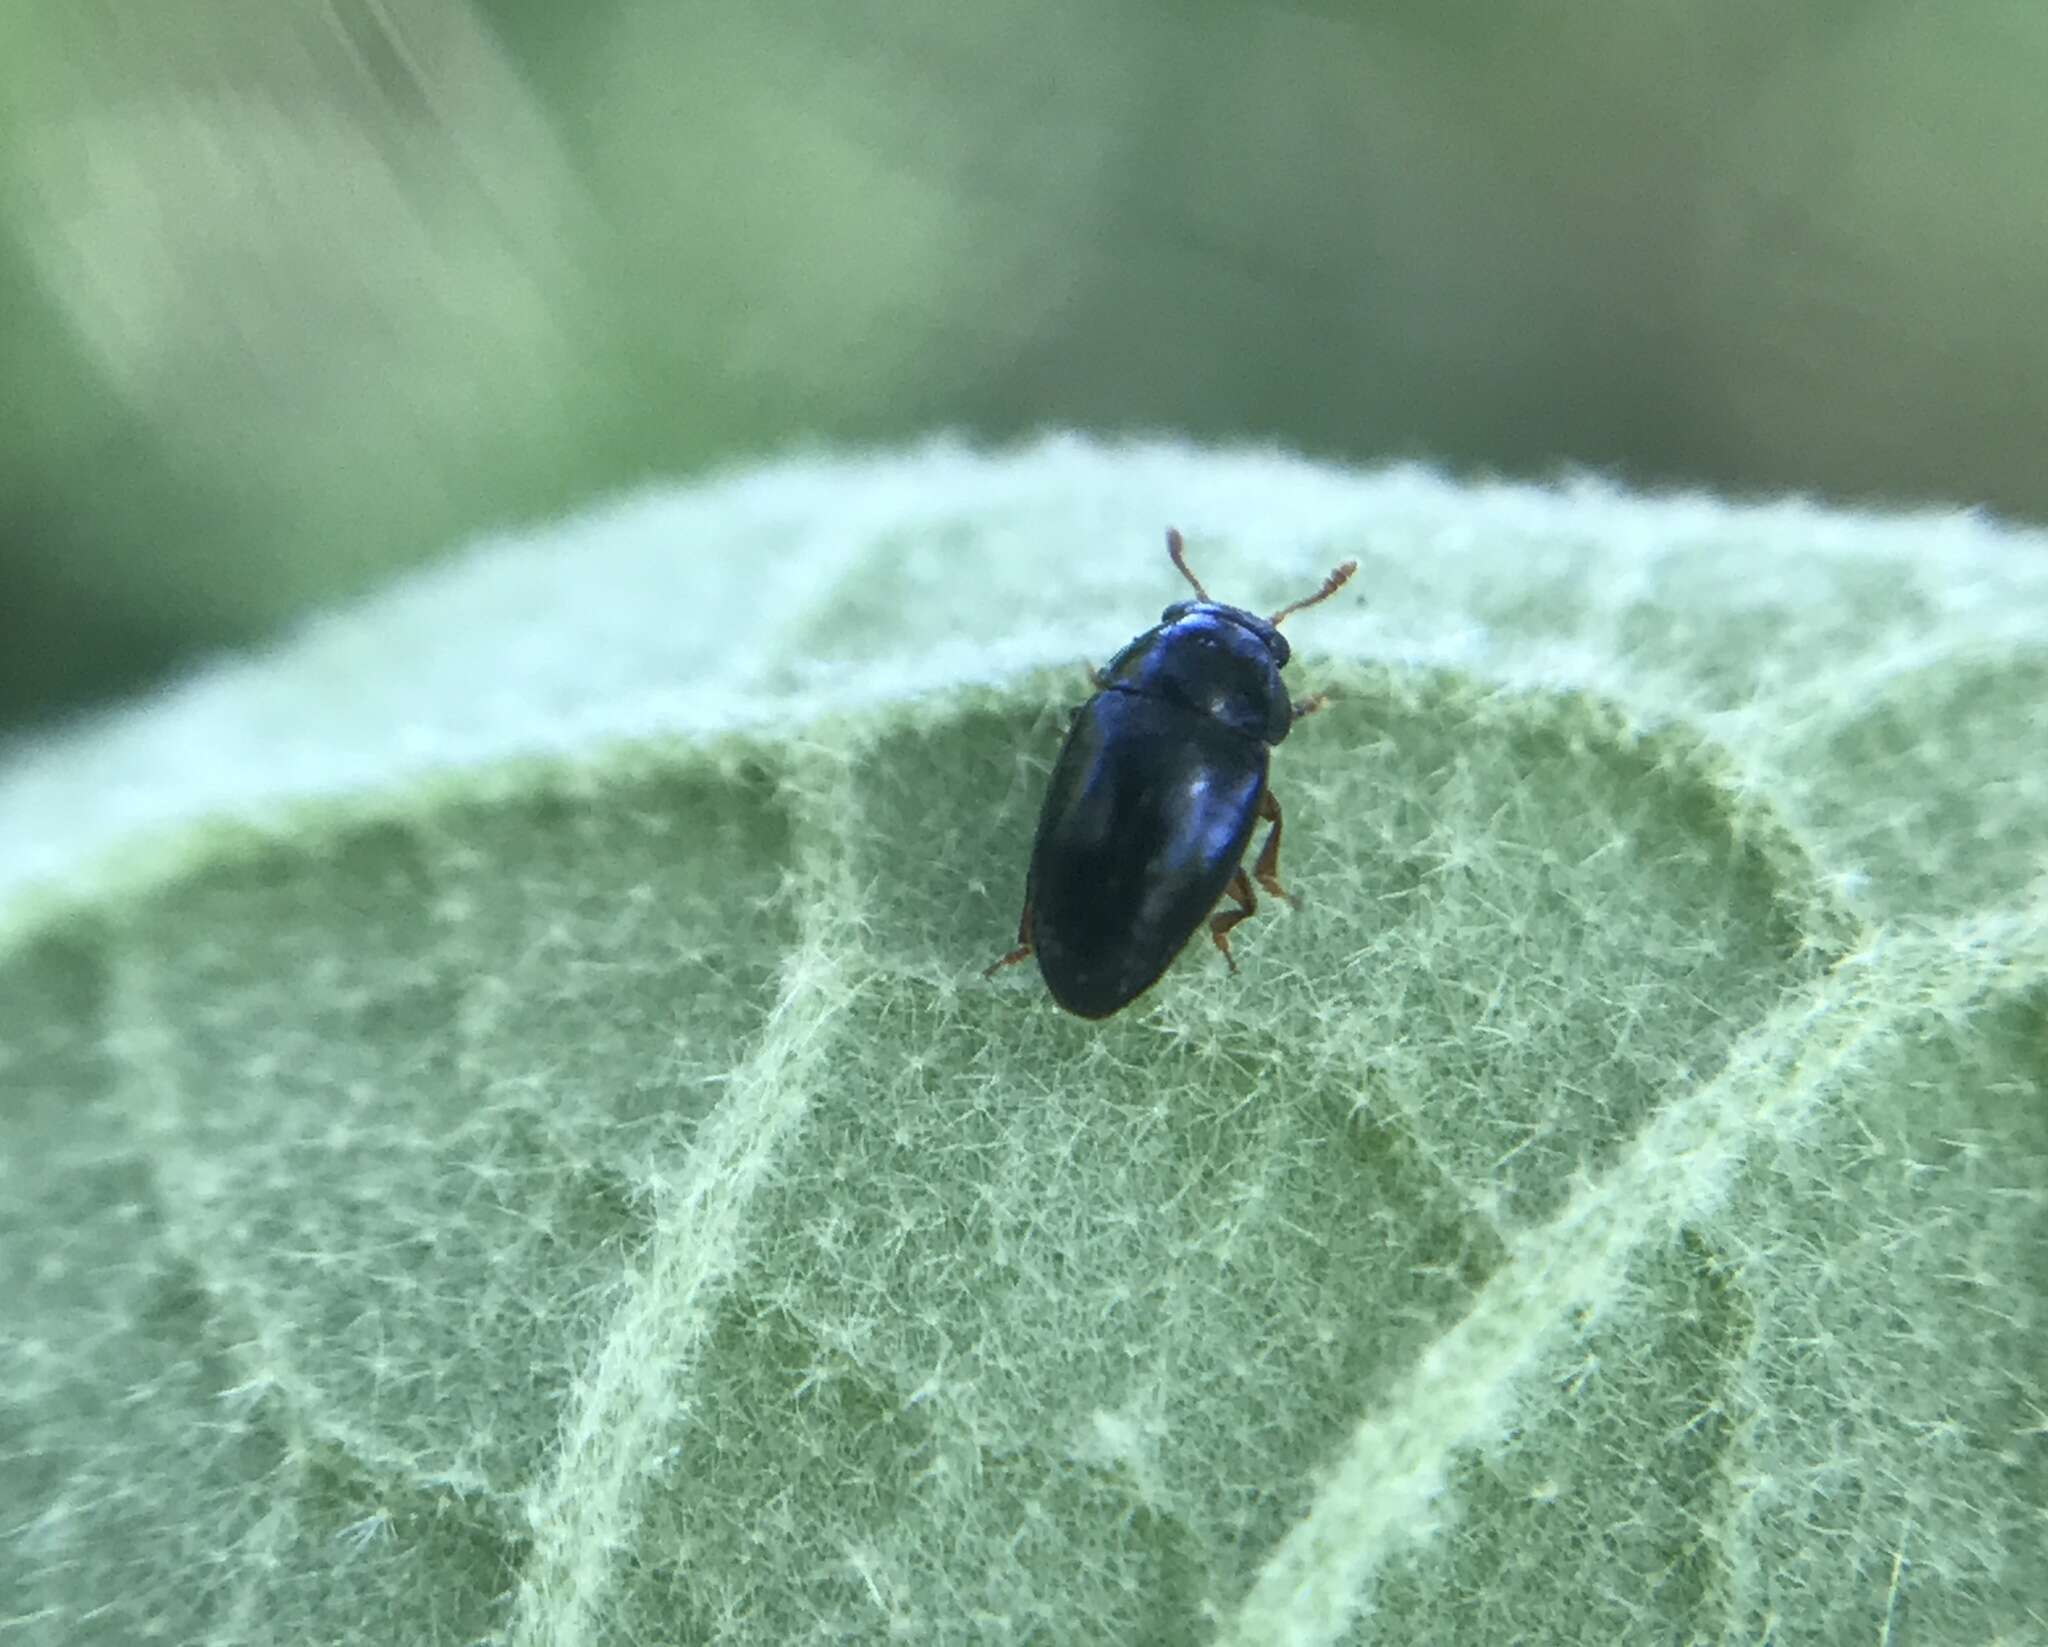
point(1218, 661)
point(1152, 801)
point(1154, 797)
point(1145, 821)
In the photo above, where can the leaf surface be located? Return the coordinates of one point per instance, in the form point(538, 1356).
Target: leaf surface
point(505, 1137)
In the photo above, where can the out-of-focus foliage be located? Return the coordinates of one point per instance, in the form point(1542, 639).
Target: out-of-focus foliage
point(292, 295)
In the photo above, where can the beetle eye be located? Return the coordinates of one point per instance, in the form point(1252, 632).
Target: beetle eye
point(1179, 609)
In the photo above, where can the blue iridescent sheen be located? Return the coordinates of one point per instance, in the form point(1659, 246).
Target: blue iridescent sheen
point(1154, 798)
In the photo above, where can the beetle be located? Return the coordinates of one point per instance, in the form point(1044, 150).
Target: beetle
point(1154, 798)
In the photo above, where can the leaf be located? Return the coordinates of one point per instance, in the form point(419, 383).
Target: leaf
point(506, 1138)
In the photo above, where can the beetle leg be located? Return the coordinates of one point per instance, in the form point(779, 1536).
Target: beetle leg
point(1221, 923)
point(1021, 952)
point(1309, 705)
point(1267, 870)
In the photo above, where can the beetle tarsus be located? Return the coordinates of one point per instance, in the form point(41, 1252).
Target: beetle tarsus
point(1267, 870)
point(1221, 923)
point(1021, 952)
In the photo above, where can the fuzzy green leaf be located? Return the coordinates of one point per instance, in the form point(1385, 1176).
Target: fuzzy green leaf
point(505, 1137)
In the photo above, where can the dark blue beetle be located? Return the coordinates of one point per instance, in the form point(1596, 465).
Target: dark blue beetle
point(1154, 798)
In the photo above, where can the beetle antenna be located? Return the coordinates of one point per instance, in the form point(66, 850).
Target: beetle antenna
point(1176, 548)
point(1331, 584)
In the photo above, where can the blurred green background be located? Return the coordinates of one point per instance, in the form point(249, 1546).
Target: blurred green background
point(292, 296)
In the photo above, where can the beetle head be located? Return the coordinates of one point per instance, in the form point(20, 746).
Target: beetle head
point(1274, 641)
point(1216, 660)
